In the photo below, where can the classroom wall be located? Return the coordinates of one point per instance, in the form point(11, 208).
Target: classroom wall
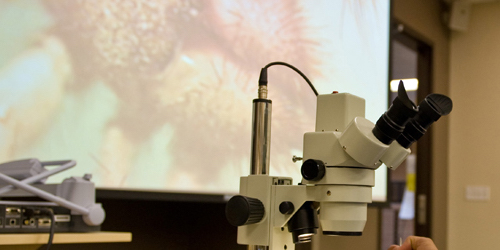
point(425, 19)
point(474, 133)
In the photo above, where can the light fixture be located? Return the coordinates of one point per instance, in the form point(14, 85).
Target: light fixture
point(411, 84)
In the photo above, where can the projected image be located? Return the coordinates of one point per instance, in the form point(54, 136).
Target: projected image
point(157, 95)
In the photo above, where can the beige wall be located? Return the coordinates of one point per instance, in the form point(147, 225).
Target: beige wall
point(425, 18)
point(474, 130)
point(465, 147)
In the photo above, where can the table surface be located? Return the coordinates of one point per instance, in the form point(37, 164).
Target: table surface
point(13, 239)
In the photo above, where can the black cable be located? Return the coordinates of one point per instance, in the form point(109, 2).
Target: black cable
point(52, 225)
point(264, 74)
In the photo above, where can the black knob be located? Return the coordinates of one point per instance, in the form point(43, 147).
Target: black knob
point(313, 170)
point(286, 207)
point(242, 210)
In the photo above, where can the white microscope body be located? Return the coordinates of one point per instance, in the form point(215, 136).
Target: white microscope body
point(339, 162)
point(340, 159)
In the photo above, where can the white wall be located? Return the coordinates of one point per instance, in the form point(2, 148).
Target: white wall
point(474, 130)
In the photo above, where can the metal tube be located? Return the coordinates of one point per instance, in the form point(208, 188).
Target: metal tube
point(261, 137)
point(261, 140)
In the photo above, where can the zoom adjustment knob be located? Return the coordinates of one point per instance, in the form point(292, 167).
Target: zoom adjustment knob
point(313, 170)
point(242, 210)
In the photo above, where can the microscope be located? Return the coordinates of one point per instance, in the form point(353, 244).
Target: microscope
point(338, 167)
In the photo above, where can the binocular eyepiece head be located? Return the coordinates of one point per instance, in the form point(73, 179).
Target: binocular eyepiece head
point(392, 123)
point(405, 122)
point(429, 110)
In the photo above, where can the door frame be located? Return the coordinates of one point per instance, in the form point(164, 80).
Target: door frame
point(423, 193)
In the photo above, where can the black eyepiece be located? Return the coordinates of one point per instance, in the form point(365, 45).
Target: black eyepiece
point(429, 110)
point(392, 123)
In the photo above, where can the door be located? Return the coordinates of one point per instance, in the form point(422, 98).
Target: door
point(410, 185)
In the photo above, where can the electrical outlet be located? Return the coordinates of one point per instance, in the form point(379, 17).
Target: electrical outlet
point(477, 193)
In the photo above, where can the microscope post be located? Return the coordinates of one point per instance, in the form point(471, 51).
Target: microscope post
point(261, 140)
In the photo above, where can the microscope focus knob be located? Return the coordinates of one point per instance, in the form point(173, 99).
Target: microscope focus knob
point(313, 170)
point(286, 207)
point(242, 210)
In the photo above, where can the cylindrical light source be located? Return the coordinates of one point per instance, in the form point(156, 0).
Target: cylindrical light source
point(261, 137)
